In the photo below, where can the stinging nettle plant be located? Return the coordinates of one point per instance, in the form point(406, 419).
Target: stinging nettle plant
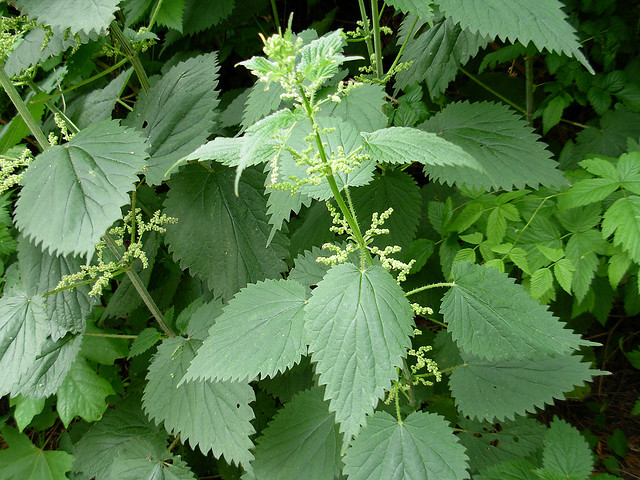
point(287, 347)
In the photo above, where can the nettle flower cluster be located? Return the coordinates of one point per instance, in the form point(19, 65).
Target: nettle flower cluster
point(101, 272)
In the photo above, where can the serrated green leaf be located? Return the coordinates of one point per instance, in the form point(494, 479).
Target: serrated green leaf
point(25, 409)
point(422, 446)
point(222, 238)
point(15, 131)
point(553, 254)
point(407, 145)
point(563, 271)
point(263, 99)
point(492, 317)
point(395, 189)
point(501, 143)
point(566, 451)
point(321, 58)
point(264, 320)
point(103, 350)
point(622, 220)
point(619, 263)
point(436, 53)
point(581, 250)
point(506, 53)
point(541, 282)
point(76, 15)
point(543, 23)
point(149, 460)
point(467, 217)
point(519, 257)
point(589, 191)
point(496, 225)
point(73, 192)
point(177, 114)
point(285, 386)
point(489, 390)
point(358, 325)
point(307, 271)
point(223, 425)
point(82, 394)
point(23, 332)
point(490, 444)
point(170, 14)
point(40, 272)
point(512, 470)
point(24, 461)
point(465, 255)
point(361, 106)
point(552, 113)
point(196, 320)
point(302, 441)
point(145, 340)
point(199, 16)
point(582, 219)
point(422, 9)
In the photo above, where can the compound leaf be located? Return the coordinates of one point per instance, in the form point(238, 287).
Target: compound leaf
point(423, 446)
point(76, 15)
point(212, 415)
point(358, 325)
point(581, 250)
point(489, 390)
point(177, 114)
point(492, 317)
point(264, 320)
point(73, 192)
point(24, 461)
point(82, 394)
point(40, 273)
point(302, 441)
point(219, 236)
point(542, 22)
point(622, 220)
point(407, 145)
point(566, 451)
point(436, 53)
point(501, 143)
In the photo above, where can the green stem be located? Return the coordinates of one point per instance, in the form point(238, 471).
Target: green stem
point(52, 107)
point(377, 44)
point(428, 287)
point(111, 335)
point(22, 109)
point(446, 370)
point(398, 415)
point(437, 322)
point(154, 15)
point(365, 26)
point(528, 75)
point(492, 91)
point(140, 288)
point(132, 56)
point(275, 14)
point(404, 44)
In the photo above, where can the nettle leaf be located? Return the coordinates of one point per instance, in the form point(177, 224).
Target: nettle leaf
point(199, 16)
point(358, 325)
point(497, 390)
point(264, 320)
point(120, 429)
point(145, 340)
point(396, 189)
point(436, 53)
point(407, 145)
point(566, 451)
point(519, 469)
point(212, 415)
point(149, 460)
point(76, 15)
point(170, 14)
point(492, 317)
point(307, 271)
point(23, 332)
point(500, 141)
point(82, 394)
point(414, 7)
point(177, 114)
point(196, 320)
point(222, 238)
point(543, 23)
point(73, 192)
point(263, 99)
point(361, 106)
point(622, 220)
point(422, 446)
point(302, 441)
point(24, 461)
point(40, 273)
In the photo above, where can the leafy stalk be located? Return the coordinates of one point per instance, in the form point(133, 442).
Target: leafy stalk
point(132, 55)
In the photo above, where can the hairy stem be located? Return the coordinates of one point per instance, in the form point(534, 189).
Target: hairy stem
point(22, 109)
point(377, 44)
point(154, 15)
point(427, 287)
point(141, 289)
point(110, 335)
point(528, 74)
point(365, 26)
point(404, 44)
point(132, 56)
point(492, 91)
point(275, 14)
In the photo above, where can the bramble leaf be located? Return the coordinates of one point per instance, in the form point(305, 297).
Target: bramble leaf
point(177, 114)
point(76, 15)
point(24, 461)
point(622, 220)
point(264, 320)
point(541, 282)
point(222, 238)
point(498, 390)
point(82, 394)
point(358, 325)
point(212, 415)
point(507, 150)
point(421, 446)
point(302, 441)
point(581, 250)
point(73, 192)
point(543, 23)
point(492, 317)
point(145, 340)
